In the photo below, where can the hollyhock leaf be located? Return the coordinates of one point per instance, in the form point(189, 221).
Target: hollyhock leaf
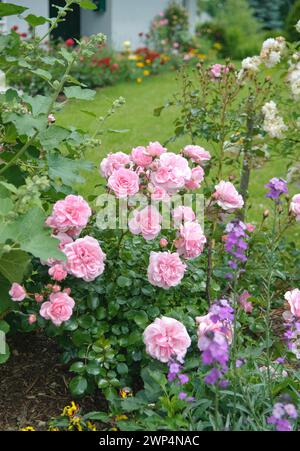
point(6, 206)
point(9, 9)
point(76, 92)
point(35, 21)
point(87, 4)
point(78, 386)
point(66, 55)
point(13, 265)
point(26, 124)
point(53, 136)
point(67, 170)
point(44, 74)
point(39, 104)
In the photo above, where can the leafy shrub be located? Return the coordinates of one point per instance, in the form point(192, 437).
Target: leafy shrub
point(291, 20)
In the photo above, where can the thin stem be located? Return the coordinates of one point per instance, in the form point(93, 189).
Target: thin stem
point(234, 347)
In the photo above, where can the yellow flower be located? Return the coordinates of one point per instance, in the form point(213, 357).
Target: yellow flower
point(70, 411)
point(146, 73)
point(125, 392)
point(217, 45)
point(91, 426)
point(28, 429)
point(53, 429)
point(139, 80)
point(75, 423)
point(201, 56)
point(148, 61)
point(140, 64)
point(121, 418)
point(114, 429)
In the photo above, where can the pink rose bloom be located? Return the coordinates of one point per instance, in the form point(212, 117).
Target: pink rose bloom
point(140, 157)
point(173, 172)
point(250, 227)
point(31, 319)
point(183, 214)
point(217, 70)
point(197, 154)
point(191, 240)
point(165, 270)
point(159, 194)
point(163, 242)
point(70, 215)
point(293, 298)
point(205, 324)
point(58, 309)
point(112, 162)
point(166, 338)
point(246, 305)
point(124, 182)
point(85, 258)
point(58, 272)
point(196, 178)
point(227, 196)
point(17, 292)
point(295, 206)
point(146, 222)
point(155, 149)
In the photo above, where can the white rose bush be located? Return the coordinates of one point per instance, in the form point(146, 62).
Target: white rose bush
point(160, 292)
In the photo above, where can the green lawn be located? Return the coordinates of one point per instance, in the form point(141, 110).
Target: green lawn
point(137, 116)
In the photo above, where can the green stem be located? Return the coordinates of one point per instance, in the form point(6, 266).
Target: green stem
point(234, 348)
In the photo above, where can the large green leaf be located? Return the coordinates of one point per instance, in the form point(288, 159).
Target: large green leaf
point(76, 92)
point(67, 170)
point(35, 21)
point(39, 104)
point(87, 4)
point(9, 9)
point(30, 232)
point(13, 265)
point(25, 124)
point(53, 136)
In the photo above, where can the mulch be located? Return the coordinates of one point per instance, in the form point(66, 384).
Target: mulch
point(34, 385)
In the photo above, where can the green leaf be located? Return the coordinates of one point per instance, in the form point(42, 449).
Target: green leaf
point(25, 124)
point(123, 281)
point(4, 326)
point(67, 170)
point(35, 21)
point(97, 416)
point(112, 130)
point(9, 9)
point(30, 232)
point(122, 368)
point(44, 74)
point(39, 104)
point(53, 136)
point(4, 357)
point(78, 386)
point(141, 318)
point(93, 368)
point(77, 367)
point(66, 55)
point(6, 206)
point(13, 265)
point(76, 92)
point(87, 4)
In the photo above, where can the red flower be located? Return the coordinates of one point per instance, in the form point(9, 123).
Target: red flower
point(114, 67)
point(70, 42)
point(14, 28)
point(104, 61)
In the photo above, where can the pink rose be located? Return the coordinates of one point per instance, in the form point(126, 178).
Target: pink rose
point(85, 258)
point(165, 270)
point(205, 324)
point(163, 242)
point(183, 214)
point(155, 149)
point(70, 215)
point(146, 222)
point(172, 173)
point(197, 154)
point(124, 182)
point(293, 298)
point(295, 206)
point(112, 162)
point(58, 309)
point(196, 178)
point(217, 70)
point(31, 319)
point(17, 292)
point(166, 338)
point(38, 297)
point(140, 157)
point(191, 240)
point(227, 196)
point(250, 227)
point(58, 272)
point(244, 303)
point(158, 193)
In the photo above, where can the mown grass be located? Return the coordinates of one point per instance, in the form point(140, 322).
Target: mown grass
point(137, 117)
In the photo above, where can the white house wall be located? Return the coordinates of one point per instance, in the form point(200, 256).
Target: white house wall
point(93, 22)
point(37, 7)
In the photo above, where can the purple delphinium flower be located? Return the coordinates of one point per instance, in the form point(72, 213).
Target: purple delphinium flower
point(175, 374)
point(282, 415)
point(182, 395)
point(214, 344)
point(276, 187)
point(236, 244)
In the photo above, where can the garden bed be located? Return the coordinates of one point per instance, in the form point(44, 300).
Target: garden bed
point(34, 386)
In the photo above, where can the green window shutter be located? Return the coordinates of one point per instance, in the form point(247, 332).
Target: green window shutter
point(101, 5)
